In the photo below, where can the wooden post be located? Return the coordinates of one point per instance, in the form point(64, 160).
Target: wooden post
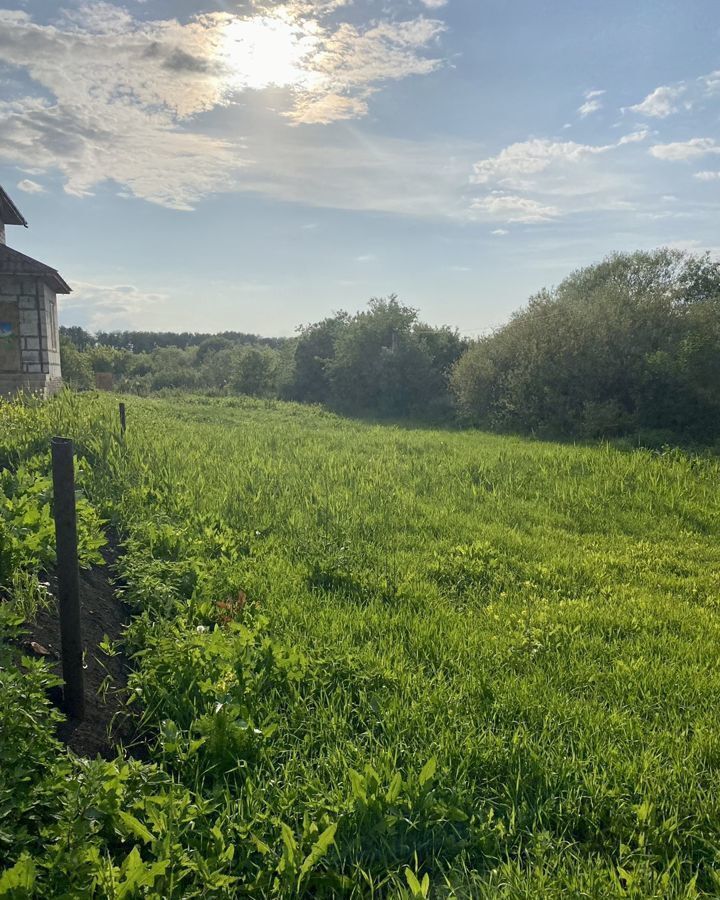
point(122, 420)
point(68, 576)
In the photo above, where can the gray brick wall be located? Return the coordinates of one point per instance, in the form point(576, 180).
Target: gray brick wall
point(39, 336)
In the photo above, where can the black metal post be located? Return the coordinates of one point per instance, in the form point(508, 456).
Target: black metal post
point(68, 576)
point(122, 419)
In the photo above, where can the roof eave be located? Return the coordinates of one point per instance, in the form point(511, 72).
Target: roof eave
point(60, 285)
point(11, 214)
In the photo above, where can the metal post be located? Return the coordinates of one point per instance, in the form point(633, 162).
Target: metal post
point(68, 576)
point(122, 419)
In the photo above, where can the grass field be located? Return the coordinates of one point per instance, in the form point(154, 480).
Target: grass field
point(379, 661)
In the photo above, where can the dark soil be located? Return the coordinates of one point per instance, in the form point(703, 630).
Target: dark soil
point(106, 721)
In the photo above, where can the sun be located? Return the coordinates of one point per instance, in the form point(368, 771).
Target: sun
point(269, 50)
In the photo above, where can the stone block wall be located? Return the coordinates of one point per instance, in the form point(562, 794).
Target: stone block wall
point(50, 330)
point(39, 336)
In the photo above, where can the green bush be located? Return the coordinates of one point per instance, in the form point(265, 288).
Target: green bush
point(631, 343)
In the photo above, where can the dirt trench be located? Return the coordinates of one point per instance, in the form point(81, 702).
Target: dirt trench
point(107, 720)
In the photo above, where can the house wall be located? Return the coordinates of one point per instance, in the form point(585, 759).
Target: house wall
point(50, 347)
point(39, 336)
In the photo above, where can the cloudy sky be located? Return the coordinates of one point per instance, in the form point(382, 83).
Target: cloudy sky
point(205, 165)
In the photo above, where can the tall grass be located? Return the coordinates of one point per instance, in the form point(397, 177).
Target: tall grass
point(381, 654)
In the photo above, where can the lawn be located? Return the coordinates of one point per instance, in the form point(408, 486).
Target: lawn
point(374, 660)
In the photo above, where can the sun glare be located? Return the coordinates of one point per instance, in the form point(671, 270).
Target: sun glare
point(268, 51)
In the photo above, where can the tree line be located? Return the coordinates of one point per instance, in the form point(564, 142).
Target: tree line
point(628, 345)
point(382, 361)
point(631, 344)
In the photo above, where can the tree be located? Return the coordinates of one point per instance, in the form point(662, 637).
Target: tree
point(109, 359)
point(210, 346)
point(628, 343)
point(76, 367)
point(253, 372)
point(77, 336)
point(380, 366)
point(173, 368)
point(314, 350)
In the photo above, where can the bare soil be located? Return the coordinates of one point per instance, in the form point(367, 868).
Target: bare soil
point(106, 721)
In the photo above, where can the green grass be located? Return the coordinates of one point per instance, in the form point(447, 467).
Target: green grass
point(487, 660)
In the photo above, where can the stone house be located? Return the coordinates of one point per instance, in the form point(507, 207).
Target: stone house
point(29, 332)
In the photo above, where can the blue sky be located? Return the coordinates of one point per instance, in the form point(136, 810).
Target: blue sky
point(203, 165)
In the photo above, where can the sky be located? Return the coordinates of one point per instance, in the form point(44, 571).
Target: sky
point(207, 166)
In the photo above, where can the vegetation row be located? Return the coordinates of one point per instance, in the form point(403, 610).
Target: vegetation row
point(627, 347)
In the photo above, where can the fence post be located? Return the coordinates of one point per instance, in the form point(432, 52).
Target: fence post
point(122, 419)
point(68, 576)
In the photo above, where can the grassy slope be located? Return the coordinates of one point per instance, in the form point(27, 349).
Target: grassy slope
point(541, 619)
point(565, 671)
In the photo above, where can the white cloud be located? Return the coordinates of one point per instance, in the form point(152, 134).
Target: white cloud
point(634, 137)
point(680, 151)
point(348, 169)
point(661, 103)
point(592, 103)
point(500, 231)
point(668, 99)
point(589, 107)
point(434, 4)
point(539, 179)
point(310, 110)
point(119, 97)
point(153, 159)
point(30, 186)
point(711, 82)
point(350, 64)
point(708, 176)
point(515, 165)
point(511, 166)
point(514, 208)
point(104, 307)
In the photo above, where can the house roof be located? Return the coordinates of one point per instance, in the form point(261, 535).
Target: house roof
point(9, 213)
point(13, 262)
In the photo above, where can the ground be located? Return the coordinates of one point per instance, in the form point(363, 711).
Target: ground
point(103, 617)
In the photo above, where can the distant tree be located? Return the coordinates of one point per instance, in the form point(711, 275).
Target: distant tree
point(77, 371)
point(173, 368)
point(314, 350)
point(479, 384)
point(632, 342)
point(381, 361)
point(253, 372)
point(380, 366)
point(444, 345)
point(139, 365)
point(109, 359)
point(146, 341)
point(210, 346)
point(217, 367)
point(77, 336)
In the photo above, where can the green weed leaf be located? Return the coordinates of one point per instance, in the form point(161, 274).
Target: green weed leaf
point(18, 881)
